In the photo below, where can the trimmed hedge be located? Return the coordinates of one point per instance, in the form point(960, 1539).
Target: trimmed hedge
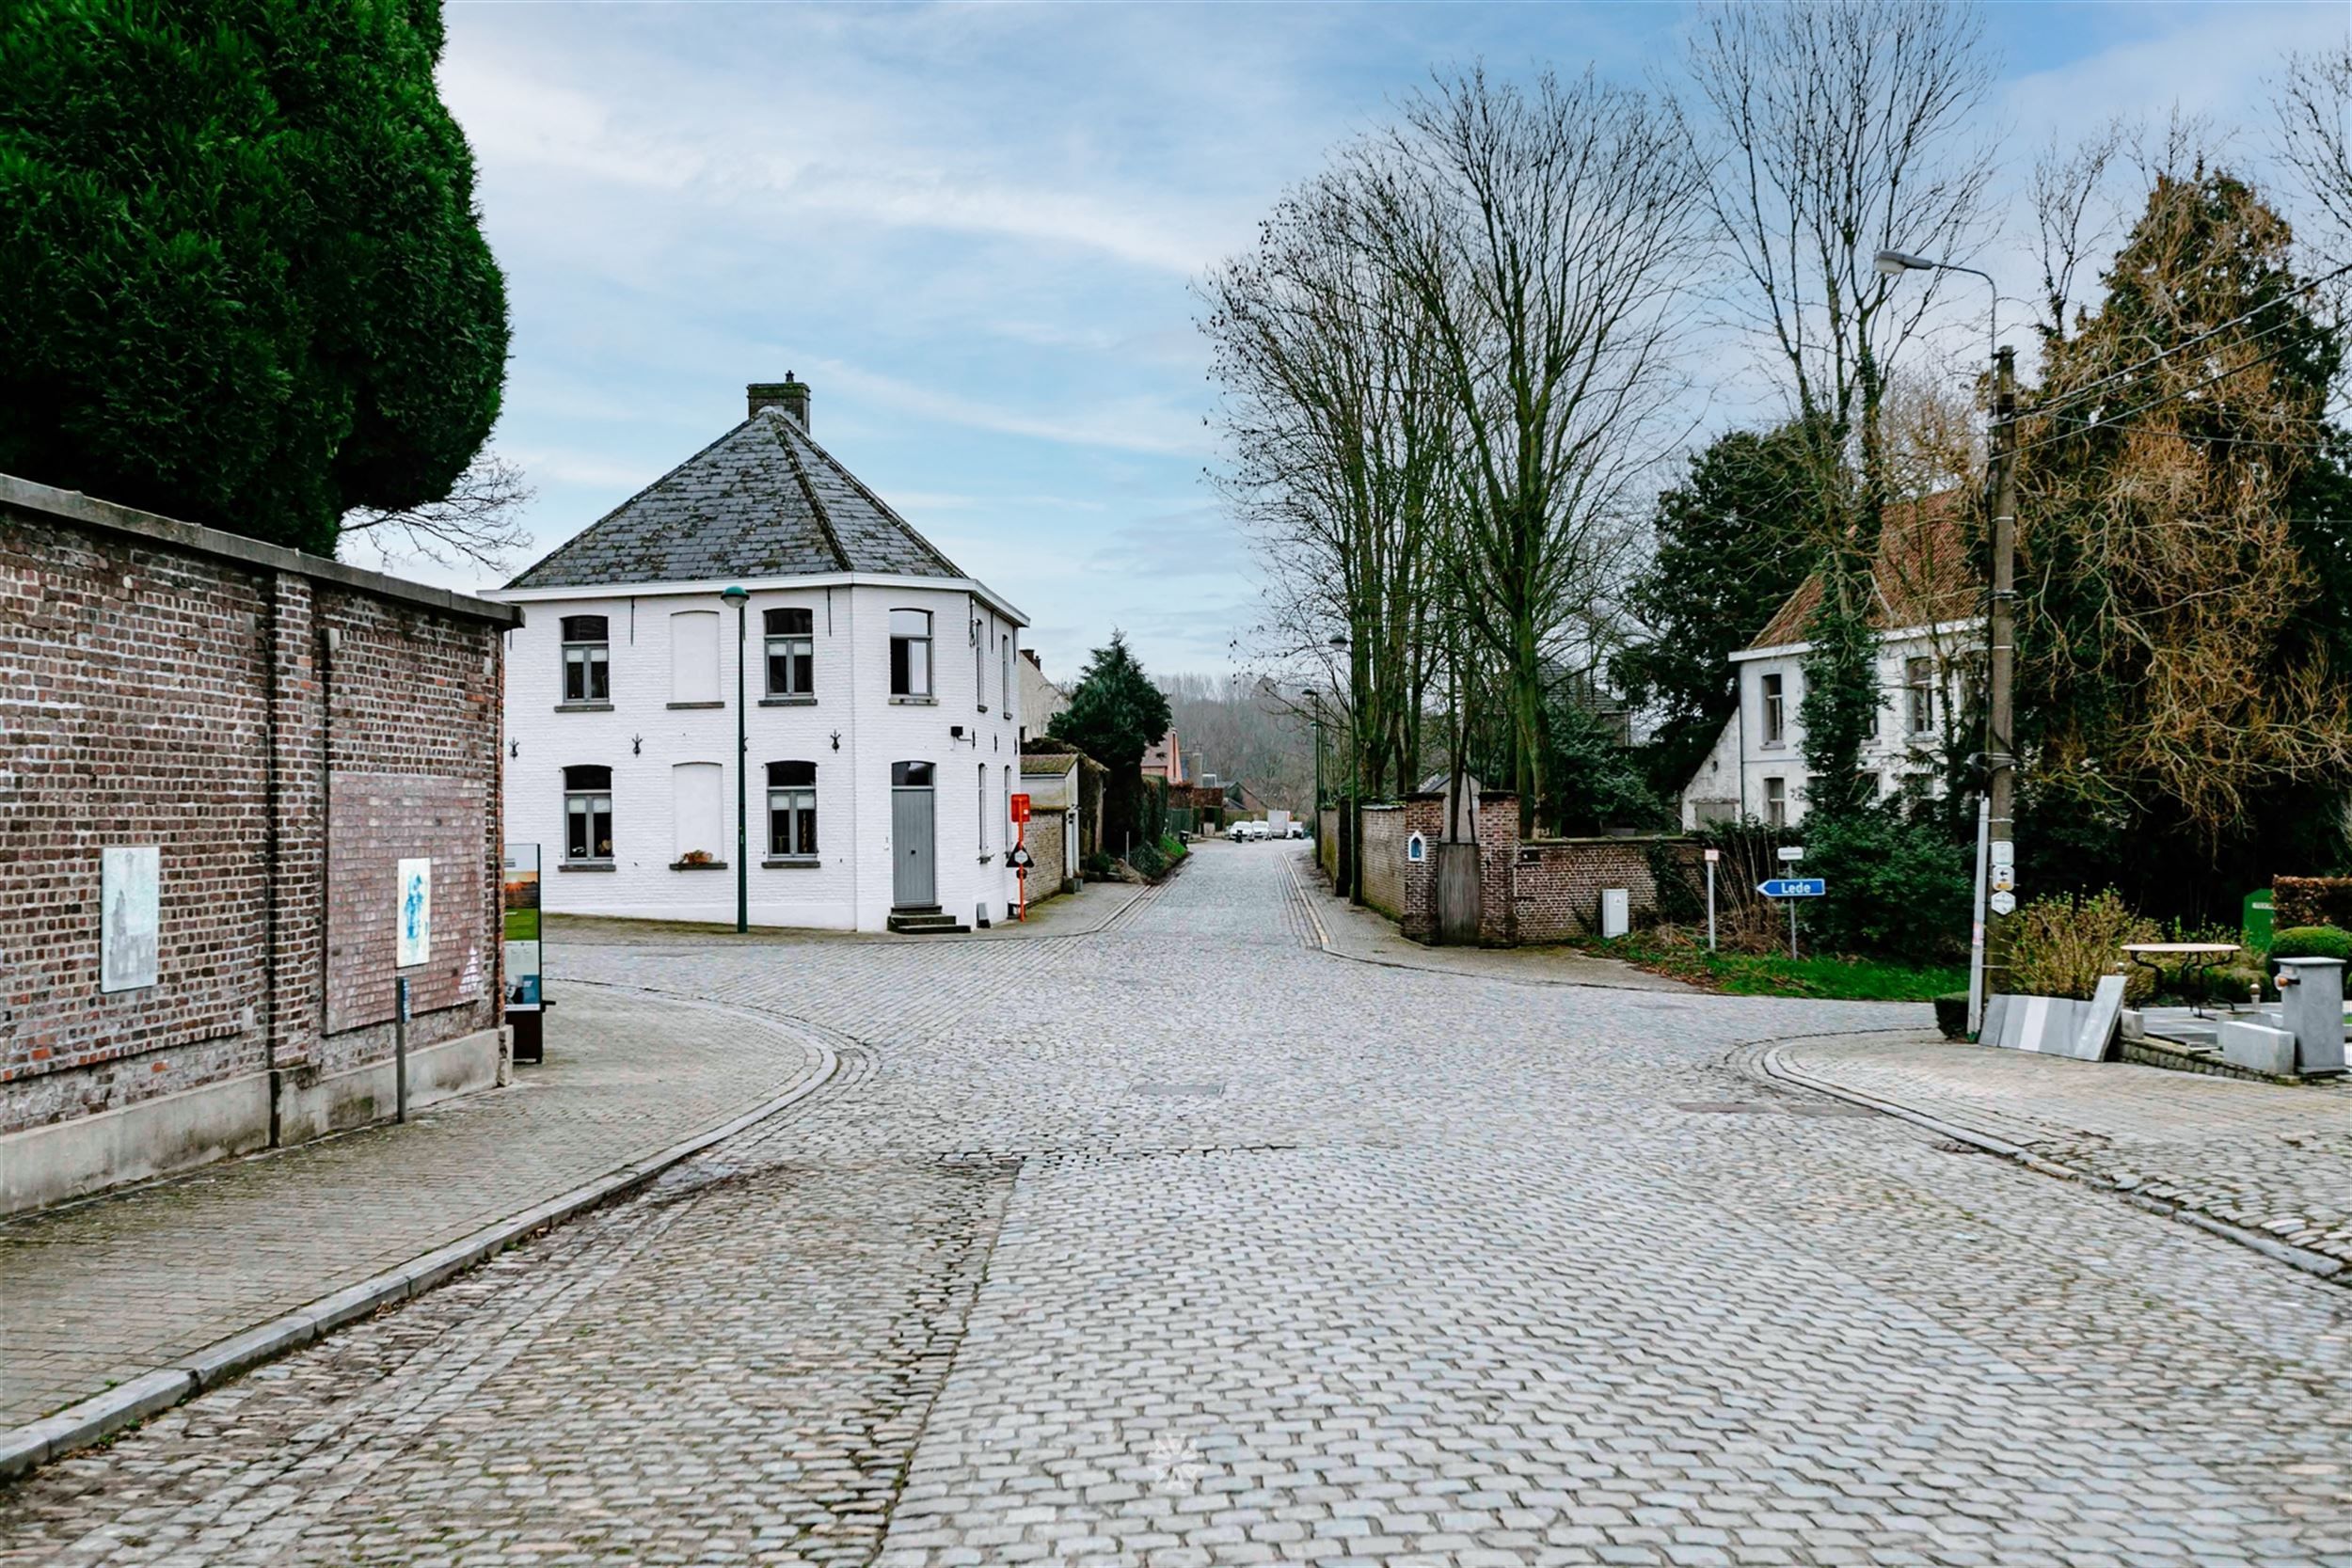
point(2306, 901)
point(2312, 941)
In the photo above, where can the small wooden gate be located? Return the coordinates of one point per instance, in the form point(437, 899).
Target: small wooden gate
point(1457, 893)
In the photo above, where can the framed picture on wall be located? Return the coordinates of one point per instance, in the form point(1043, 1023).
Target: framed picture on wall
point(415, 912)
point(130, 917)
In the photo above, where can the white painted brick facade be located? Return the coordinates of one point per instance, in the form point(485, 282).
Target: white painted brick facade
point(643, 738)
point(1735, 779)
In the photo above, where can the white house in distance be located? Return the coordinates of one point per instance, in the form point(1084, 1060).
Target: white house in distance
point(1930, 638)
point(880, 701)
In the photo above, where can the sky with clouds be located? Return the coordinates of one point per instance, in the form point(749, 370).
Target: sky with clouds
point(973, 230)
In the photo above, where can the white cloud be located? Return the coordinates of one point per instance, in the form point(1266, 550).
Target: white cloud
point(1139, 425)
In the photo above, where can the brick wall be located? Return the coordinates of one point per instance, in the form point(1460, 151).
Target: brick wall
point(1417, 909)
point(1048, 854)
point(1557, 884)
point(272, 723)
point(1533, 891)
point(1384, 859)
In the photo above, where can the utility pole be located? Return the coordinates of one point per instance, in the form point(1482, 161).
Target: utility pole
point(1997, 851)
point(2000, 756)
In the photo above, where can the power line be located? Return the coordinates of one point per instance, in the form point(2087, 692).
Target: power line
point(2133, 413)
point(2078, 394)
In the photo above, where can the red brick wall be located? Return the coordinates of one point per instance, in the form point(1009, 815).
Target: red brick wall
point(134, 686)
point(1384, 859)
point(1417, 916)
point(164, 687)
point(1498, 830)
point(1559, 883)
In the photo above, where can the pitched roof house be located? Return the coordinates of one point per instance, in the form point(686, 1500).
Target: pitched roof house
point(1927, 614)
point(874, 786)
point(1164, 759)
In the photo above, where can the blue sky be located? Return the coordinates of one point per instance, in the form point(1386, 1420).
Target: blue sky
point(973, 230)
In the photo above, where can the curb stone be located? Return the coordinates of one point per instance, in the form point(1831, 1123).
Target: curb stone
point(26, 1448)
point(1766, 1059)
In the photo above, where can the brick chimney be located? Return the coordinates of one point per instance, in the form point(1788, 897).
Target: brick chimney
point(790, 395)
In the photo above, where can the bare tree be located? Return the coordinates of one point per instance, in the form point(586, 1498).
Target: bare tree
point(1548, 237)
point(2075, 217)
point(1340, 446)
point(2314, 105)
point(477, 521)
point(1834, 128)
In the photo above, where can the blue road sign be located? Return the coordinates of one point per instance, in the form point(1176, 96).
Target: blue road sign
point(1793, 887)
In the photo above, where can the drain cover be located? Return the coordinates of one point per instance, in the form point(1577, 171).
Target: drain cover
point(1721, 1108)
point(1200, 1091)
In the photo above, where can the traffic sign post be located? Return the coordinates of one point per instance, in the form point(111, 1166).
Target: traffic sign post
point(1792, 889)
point(1713, 856)
point(1019, 805)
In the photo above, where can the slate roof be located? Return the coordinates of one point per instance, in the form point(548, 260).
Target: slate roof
point(1923, 574)
point(763, 501)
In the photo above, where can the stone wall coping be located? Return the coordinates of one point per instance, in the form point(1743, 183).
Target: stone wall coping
point(46, 503)
point(1604, 838)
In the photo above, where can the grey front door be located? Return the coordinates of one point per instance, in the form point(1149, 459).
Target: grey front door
point(913, 885)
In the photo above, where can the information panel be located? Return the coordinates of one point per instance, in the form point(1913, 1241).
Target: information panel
point(520, 878)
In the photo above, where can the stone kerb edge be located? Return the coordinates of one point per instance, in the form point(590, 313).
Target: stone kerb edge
point(1768, 1059)
point(25, 1448)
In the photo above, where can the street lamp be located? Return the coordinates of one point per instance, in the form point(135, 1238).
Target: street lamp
point(739, 597)
point(1995, 831)
point(1894, 263)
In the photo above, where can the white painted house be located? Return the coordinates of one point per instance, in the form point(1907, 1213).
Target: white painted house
point(1929, 640)
point(875, 683)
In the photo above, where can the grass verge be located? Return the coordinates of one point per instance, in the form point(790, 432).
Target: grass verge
point(1827, 978)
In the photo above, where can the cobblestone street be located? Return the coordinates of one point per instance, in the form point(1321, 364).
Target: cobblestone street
point(1185, 1242)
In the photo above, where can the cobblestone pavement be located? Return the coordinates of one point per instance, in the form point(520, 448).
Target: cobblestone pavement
point(2270, 1158)
point(1192, 1244)
point(102, 1291)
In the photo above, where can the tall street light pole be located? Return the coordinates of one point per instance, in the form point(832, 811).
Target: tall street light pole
point(739, 597)
point(1352, 834)
point(1999, 828)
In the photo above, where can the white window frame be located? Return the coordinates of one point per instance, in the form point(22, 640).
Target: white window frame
point(588, 800)
point(1919, 695)
point(903, 671)
point(793, 798)
point(591, 656)
point(793, 647)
